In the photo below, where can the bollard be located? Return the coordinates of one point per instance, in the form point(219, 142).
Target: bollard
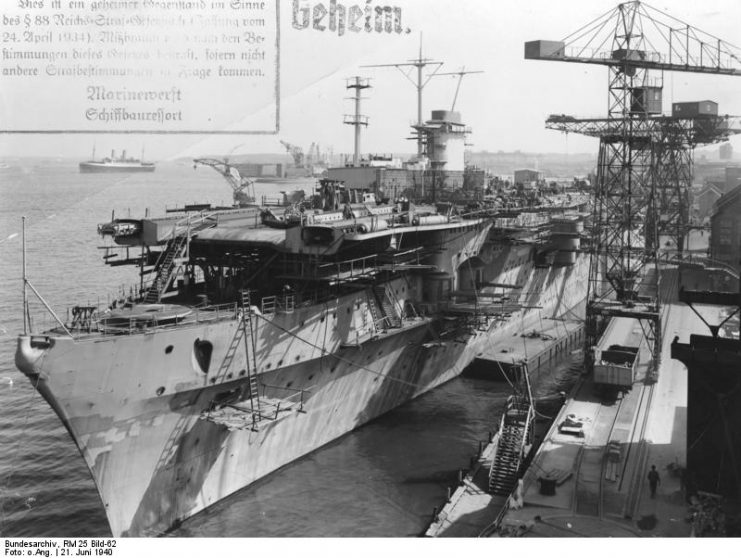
point(434, 514)
point(491, 436)
point(449, 495)
point(460, 476)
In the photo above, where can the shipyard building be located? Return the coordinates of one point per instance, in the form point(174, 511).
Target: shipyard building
point(725, 224)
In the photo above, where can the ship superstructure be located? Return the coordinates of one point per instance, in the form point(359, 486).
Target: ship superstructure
point(255, 337)
point(250, 346)
point(116, 164)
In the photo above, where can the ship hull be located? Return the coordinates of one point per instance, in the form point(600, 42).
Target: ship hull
point(91, 167)
point(138, 409)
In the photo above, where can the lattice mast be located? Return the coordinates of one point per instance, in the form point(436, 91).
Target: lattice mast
point(357, 120)
point(644, 169)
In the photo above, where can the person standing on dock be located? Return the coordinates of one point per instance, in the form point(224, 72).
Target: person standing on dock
point(653, 480)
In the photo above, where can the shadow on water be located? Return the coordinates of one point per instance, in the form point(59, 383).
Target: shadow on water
point(382, 480)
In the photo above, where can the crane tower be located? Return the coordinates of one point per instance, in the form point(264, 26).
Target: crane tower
point(645, 160)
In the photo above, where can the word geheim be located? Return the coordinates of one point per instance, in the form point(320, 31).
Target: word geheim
point(339, 18)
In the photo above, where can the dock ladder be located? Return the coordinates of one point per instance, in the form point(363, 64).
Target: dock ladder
point(515, 433)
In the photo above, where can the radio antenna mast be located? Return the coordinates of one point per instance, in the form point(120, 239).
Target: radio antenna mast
point(420, 63)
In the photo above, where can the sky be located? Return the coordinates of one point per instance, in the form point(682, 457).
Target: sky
point(505, 106)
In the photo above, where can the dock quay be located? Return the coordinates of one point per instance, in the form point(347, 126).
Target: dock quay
point(469, 505)
point(588, 478)
point(539, 347)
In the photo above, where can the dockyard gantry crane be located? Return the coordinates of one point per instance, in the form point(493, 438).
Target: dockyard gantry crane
point(672, 141)
point(644, 165)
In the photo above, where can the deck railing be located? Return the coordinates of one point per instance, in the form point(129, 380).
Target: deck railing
point(101, 323)
point(287, 402)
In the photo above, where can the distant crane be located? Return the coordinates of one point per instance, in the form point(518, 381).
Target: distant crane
point(296, 152)
point(314, 156)
point(644, 167)
point(239, 183)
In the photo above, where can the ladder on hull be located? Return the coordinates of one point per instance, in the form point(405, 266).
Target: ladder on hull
point(379, 321)
point(239, 416)
point(243, 336)
point(383, 307)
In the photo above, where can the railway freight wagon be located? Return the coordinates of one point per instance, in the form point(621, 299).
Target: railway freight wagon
point(615, 366)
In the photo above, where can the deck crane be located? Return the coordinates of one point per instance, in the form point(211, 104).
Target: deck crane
point(240, 184)
point(645, 164)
